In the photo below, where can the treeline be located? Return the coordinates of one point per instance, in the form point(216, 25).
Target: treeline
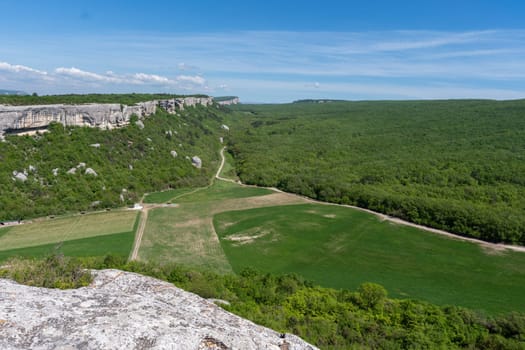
point(453, 165)
point(128, 162)
point(328, 318)
point(127, 99)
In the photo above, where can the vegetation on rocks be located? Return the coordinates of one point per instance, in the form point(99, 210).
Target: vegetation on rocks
point(55, 271)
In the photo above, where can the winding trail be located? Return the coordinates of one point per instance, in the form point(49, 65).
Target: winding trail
point(484, 244)
point(146, 207)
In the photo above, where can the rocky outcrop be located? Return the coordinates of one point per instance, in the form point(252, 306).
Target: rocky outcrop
point(196, 162)
point(122, 310)
point(178, 104)
point(228, 101)
point(102, 115)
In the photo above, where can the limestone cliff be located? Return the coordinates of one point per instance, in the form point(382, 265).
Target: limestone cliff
point(121, 310)
point(20, 118)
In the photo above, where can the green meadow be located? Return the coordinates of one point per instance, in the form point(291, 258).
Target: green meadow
point(341, 248)
point(80, 235)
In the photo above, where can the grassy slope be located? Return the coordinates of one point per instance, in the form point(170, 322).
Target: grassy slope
point(53, 231)
point(165, 196)
point(354, 247)
point(115, 244)
point(185, 234)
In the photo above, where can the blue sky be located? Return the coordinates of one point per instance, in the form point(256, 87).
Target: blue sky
point(271, 51)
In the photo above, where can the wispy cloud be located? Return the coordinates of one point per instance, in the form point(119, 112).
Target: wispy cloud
point(379, 64)
point(17, 68)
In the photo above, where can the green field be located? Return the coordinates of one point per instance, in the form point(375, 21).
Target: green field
point(166, 196)
point(221, 190)
point(115, 244)
point(342, 248)
point(185, 234)
point(80, 235)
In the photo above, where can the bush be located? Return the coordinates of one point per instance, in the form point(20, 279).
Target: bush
point(56, 271)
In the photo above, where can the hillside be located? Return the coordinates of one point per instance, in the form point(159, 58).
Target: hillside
point(453, 165)
point(71, 169)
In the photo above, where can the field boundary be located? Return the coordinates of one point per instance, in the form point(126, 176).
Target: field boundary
point(381, 216)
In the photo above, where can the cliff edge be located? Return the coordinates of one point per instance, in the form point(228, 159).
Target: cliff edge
point(122, 310)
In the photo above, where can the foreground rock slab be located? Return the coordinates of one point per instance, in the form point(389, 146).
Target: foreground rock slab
point(122, 310)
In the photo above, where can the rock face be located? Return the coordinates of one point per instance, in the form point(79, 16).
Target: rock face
point(196, 162)
point(230, 101)
point(122, 310)
point(102, 115)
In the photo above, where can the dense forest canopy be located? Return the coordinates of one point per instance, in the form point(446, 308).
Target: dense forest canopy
point(456, 165)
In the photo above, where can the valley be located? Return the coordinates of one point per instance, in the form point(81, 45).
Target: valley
point(221, 227)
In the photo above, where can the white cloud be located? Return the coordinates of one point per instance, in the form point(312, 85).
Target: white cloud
point(16, 68)
point(152, 78)
point(81, 74)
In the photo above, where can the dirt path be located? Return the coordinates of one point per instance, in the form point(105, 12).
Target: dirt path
point(142, 225)
point(484, 244)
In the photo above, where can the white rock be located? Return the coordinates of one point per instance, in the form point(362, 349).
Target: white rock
point(130, 167)
point(173, 154)
point(122, 310)
point(81, 165)
point(95, 145)
point(20, 177)
point(55, 171)
point(72, 171)
point(140, 124)
point(196, 161)
point(221, 139)
point(90, 171)
point(32, 168)
point(225, 127)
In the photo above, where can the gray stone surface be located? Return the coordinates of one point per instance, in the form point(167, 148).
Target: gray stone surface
point(121, 310)
point(196, 161)
point(90, 171)
point(102, 115)
point(19, 176)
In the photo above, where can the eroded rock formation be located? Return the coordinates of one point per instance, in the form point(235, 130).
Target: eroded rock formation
point(103, 115)
point(121, 310)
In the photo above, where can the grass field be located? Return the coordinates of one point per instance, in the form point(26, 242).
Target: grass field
point(165, 196)
point(93, 234)
point(221, 190)
point(342, 248)
point(115, 244)
point(186, 235)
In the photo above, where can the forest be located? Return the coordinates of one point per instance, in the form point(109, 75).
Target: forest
point(455, 165)
point(128, 162)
